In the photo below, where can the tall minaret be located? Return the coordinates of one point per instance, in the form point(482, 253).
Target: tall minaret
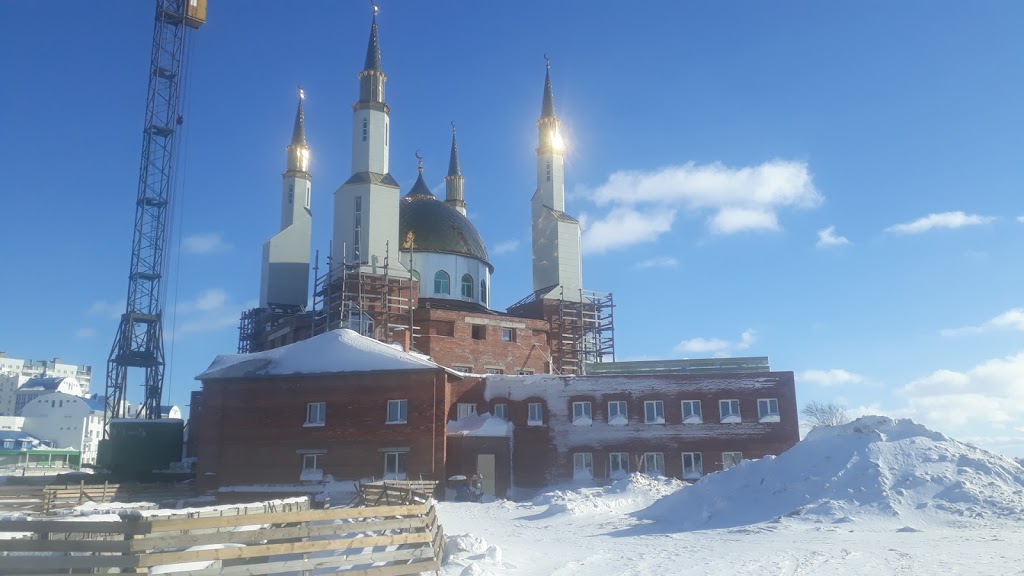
point(454, 194)
point(556, 235)
point(284, 280)
point(366, 205)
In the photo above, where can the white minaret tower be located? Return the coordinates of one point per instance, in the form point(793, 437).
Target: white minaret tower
point(366, 206)
point(556, 235)
point(284, 282)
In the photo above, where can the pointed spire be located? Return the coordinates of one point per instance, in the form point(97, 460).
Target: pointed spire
point(420, 188)
point(547, 109)
point(299, 132)
point(373, 47)
point(454, 169)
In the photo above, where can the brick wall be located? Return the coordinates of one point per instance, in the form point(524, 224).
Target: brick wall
point(253, 430)
point(448, 337)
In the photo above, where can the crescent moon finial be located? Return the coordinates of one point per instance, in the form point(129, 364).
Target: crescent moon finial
point(420, 159)
point(453, 126)
point(375, 7)
point(547, 60)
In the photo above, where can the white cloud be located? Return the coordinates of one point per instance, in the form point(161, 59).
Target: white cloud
point(827, 237)
point(658, 262)
point(85, 333)
point(204, 243)
point(732, 220)
point(624, 226)
point(990, 392)
point(739, 199)
point(1012, 319)
point(716, 346)
point(1020, 219)
point(956, 219)
point(107, 309)
point(506, 247)
point(828, 378)
point(209, 300)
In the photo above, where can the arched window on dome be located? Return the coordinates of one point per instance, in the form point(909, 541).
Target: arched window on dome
point(467, 286)
point(441, 283)
point(483, 291)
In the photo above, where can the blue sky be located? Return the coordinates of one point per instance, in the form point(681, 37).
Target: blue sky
point(835, 185)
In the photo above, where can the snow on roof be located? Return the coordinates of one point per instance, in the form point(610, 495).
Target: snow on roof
point(334, 352)
point(872, 467)
point(480, 425)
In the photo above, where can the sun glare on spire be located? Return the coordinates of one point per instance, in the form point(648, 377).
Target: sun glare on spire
point(304, 159)
point(557, 143)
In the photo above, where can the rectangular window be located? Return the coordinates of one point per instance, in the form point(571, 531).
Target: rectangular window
point(692, 466)
point(494, 370)
point(730, 411)
point(549, 171)
point(583, 466)
point(524, 372)
point(291, 193)
point(617, 413)
point(316, 413)
point(307, 197)
point(654, 463)
point(443, 328)
point(768, 410)
point(394, 465)
point(311, 462)
point(691, 412)
point(365, 129)
point(501, 411)
point(536, 416)
point(466, 410)
point(654, 412)
point(459, 368)
point(357, 221)
point(398, 411)
point(508, 334)
point(730, 459)
point(581, 414)
point(479, 332)
point(618, 464)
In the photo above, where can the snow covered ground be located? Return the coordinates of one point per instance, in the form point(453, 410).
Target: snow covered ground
point(876, 496)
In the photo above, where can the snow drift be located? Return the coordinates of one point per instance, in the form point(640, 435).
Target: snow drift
point(626, 494)
point(873, 467)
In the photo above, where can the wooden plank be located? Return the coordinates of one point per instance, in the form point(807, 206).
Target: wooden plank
point(154, 542)
point(64, 527)
point(32, 545)
point(289, 548)
point(13, 564)
point(287, 517)
point(419, 556)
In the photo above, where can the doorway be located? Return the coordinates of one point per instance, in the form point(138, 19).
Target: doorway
point(485, 468)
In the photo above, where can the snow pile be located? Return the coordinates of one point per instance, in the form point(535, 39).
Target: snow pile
point(872, 467)
point(480, 425)
point(624, 495)
point(468, 555)
point(333, 352)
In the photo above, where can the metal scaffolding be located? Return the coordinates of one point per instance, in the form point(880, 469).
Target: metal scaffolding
point(582, 331)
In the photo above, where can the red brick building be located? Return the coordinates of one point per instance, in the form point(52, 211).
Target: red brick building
point(349, 407)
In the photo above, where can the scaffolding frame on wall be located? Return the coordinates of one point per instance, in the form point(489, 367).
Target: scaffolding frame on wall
point(582, 331)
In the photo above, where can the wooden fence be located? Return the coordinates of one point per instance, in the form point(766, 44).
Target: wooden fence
point(395, 492)
point(47, 499)
point(380, 541)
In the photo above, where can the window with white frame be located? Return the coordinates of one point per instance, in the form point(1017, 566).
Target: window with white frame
point(654, 463)
point(494, 370)
point(618, 464)
point(581, 414)
point(462, 368)
point(583, 466)
point(467, 286)
point(394, 465)
point(692, 466)
point(465, 410)
point(617, 413)
point(398, 411)
point(691, 412)
point(501, 411)
point(441, 282)
point(311, 462)
point(654, 412)
point(524, 372)
point(316, 413)
point(536, 415)
point(730, 459)
point(730, 411)
point(768, 410)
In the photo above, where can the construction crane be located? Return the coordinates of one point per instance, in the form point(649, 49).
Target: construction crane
point(139, 339)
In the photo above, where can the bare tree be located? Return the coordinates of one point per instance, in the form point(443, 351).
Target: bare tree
point(824, 414)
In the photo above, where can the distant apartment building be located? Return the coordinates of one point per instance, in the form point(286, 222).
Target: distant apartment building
point(28, 369)
point(66, 421)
